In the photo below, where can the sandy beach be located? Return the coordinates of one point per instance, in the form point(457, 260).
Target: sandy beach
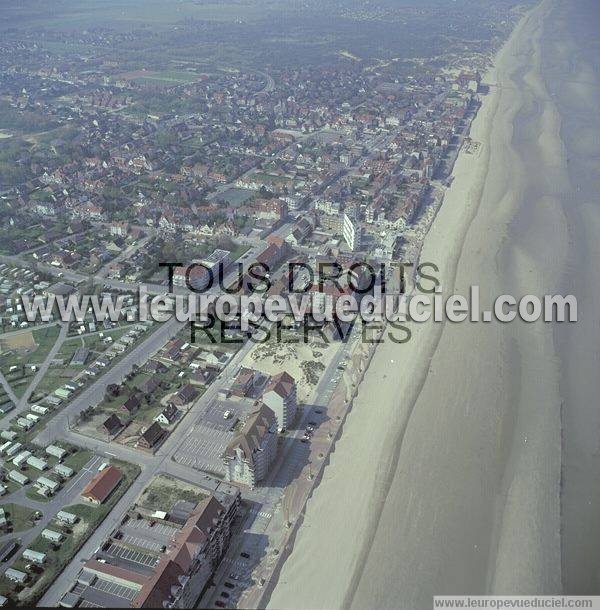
point(447, 479)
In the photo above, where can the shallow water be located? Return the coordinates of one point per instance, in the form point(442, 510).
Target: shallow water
point(570, 65)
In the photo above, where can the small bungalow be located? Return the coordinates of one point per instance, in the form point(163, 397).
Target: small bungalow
point(152, 436)
point(112, 425)
point(168, 415)
point(132, 404)
point(187, 394)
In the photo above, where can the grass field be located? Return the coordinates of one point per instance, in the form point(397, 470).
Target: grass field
point(18, 341)
point(167, 78)
point(79, 459)
point(30, 348)
point(124, 14)
point(18, 516)
point(3, 396)
point(33, 494)
point(164, 491)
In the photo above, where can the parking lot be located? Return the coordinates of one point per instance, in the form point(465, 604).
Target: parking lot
point(143, 543)
point(214, 417)
point(203, 449)
point(146, 537)
point(161, 531)
point(104, 594)
point(238, 568)
point(114, 589)
point(123, 555)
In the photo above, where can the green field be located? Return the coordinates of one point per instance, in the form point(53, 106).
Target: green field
point(32, 494)
point(167, 78)
point(23, 358)
point(18, 516)
point(79, 459)
point(123, 14)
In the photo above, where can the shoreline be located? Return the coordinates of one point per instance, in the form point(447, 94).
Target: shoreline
point(369, 504)
point(289, 546)
point(290, 538)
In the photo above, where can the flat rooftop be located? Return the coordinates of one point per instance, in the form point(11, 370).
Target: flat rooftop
point(138, 544)
point(138, 560)
point(104, 593)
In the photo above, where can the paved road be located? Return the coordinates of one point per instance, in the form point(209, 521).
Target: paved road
point(267, 498)
point(270, 513)
point(94, 393)
point(269, 83)
point(150, 464)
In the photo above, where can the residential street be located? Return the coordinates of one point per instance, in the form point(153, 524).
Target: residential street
point(94, 392)
point(161, 462)
point(271, 511)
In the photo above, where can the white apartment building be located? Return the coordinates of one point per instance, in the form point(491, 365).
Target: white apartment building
point(351, 231)
point(280, 397)
point(249, 456)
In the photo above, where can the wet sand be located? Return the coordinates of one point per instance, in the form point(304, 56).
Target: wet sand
point(448, 476)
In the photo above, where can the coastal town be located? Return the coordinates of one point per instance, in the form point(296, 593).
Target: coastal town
point(143, 464)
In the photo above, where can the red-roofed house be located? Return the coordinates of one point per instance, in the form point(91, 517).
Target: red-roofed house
point(102, 485)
